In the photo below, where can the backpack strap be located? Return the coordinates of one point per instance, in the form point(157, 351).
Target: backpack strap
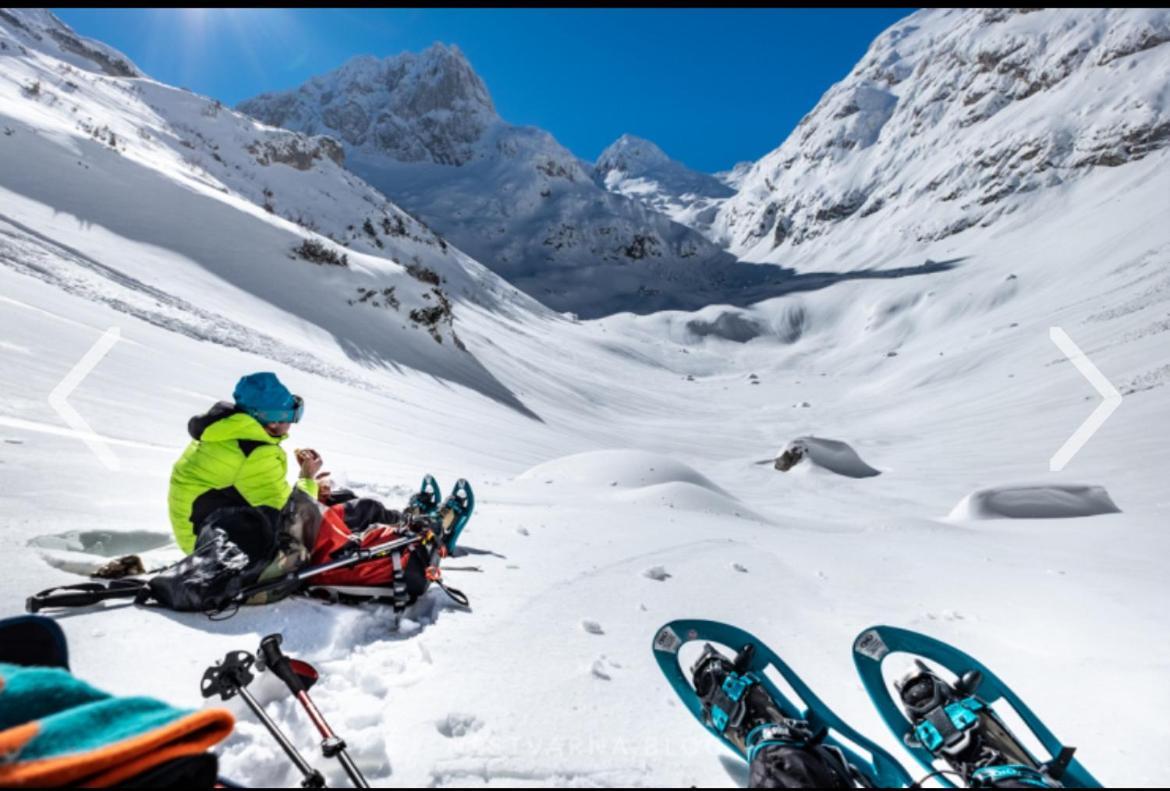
point(86, 594)
point(401, 595)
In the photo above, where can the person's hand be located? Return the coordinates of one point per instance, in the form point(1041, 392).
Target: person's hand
point(310, 462)
point(324, 486)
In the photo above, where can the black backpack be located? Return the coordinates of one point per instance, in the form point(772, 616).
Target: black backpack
point(234, 545)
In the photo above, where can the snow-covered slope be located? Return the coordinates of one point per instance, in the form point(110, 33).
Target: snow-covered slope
point(636, 499)
point(237, 224)
point(955, 119)
point(639, 169)
point(422, 128)
point(38, 29)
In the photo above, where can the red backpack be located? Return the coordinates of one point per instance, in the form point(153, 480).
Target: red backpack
point(400, 577)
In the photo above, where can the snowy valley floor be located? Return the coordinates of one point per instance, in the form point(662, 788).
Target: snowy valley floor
point(637, 499)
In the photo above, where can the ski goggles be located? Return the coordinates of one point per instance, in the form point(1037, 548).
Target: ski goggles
point(291, 415)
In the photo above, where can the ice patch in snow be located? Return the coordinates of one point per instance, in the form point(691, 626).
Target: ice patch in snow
point(1039, 501)
point(104, 543)
point(85, 551)
point(828, 454)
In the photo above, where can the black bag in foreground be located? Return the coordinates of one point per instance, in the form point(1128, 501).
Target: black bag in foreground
point(232, 549)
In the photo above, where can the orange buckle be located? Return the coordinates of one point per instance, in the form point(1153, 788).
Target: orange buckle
point(434, 574)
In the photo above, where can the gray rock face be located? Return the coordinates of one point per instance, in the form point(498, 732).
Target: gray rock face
point(964, 112)
point(422, 128)
point(426, 107)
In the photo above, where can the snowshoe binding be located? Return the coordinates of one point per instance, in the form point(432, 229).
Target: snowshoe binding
point(943, 712)
point(454, 514)
point(789, 737)
point(782, 752)
point(427, 499)
point(960, 729)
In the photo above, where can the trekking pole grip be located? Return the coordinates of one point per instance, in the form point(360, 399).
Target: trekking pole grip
point(277, 662)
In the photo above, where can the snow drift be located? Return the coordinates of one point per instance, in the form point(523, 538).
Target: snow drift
point(1040, 501)
point(624, 468)
point(638, 478)
point(827, 454)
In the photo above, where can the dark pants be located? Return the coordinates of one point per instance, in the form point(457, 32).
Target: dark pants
point(364, 511)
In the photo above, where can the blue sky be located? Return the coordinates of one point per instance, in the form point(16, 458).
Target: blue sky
point(712, 87)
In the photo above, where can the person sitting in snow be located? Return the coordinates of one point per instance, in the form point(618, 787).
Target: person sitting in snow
point(235, 460)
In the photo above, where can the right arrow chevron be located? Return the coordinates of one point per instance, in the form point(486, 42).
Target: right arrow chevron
point(1103, 386)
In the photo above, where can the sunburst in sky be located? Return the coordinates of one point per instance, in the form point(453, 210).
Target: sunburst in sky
point(193, 40)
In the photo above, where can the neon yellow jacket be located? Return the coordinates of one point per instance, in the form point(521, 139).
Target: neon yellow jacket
point(232, 461)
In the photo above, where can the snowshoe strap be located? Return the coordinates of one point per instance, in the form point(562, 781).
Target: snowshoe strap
point(945, 726)
point(1015, 774)
point(86, 594)
point(401, 595)
point(922, 781)
point(727, 707)
point(790, 733)
point(456, 595)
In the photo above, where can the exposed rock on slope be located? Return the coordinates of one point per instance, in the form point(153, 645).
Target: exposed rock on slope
point(951, 115)
point(423, 129)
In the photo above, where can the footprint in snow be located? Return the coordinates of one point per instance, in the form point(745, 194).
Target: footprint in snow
point(456, 726)
point(657, 573)
point(945, 615)
point(603, 668)
point(592, 627)
point(742, 569)
point(522, 531)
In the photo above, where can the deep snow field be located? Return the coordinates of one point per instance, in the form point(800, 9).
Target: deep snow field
point(623, 467)
point(636, 499)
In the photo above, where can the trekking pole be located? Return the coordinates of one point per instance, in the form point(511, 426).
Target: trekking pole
point(231, 677)
point(332, 745)
point(359, 555)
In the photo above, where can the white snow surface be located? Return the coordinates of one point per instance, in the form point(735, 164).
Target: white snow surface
point(947, 380)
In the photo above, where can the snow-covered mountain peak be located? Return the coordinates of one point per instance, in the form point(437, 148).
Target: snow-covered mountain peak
point(438, 78)
point(952, 115)
point(428, 106)
point(632, 155)
point(638, 169)
point(421, 127)
point(38, 29)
